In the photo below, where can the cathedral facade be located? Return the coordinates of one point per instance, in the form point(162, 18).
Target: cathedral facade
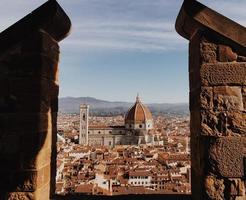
point(137, 129)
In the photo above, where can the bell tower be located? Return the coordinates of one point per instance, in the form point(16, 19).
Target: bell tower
point(83, 131)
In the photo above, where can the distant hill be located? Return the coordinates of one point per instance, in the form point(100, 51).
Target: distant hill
point(102, 107)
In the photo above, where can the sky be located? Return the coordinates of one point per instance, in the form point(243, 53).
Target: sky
point(118, 48)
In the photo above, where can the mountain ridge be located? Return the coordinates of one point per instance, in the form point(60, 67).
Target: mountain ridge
point(98, 106)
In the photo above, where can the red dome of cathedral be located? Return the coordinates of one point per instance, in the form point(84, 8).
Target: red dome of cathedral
point(138, 113)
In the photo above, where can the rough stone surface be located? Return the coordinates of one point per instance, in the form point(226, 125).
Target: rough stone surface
point(218, 119)
point(223, 74)
point(226, 156)
point(225, 54)
point(206, 97)
point(20, 196)
point(227, 98)
point(214, 188)
point(237, 187)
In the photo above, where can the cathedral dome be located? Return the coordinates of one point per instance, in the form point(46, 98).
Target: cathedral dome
point(138, 113)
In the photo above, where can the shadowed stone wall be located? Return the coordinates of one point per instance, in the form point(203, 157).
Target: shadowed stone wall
point(217, 72)
point(29, 55)
point(28, 105)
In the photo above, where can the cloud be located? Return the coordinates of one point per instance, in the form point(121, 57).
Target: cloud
point(140, 36)
point(128, 25)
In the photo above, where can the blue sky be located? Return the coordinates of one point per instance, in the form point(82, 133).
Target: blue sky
point(118, 48)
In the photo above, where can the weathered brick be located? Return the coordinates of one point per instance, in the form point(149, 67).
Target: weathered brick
point(223, 74)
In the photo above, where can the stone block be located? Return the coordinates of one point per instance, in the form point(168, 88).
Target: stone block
point(208, 46)
point(18, 180)
point(206, 98)
point(236, 123)
point(214, 188)
point(33, 122)
point(223, 74)
point(237, 187)
point(20, 196)
point(209, 57)
point(213, 123)
point(241, 59)
point(226, 156)
point(41, 42)
point(22, 86)
point(33, 66)
point(43, 176)
point(31, 103)
point(201, 99)
point(43, 158)
point(10, 145)
point(225, 54)
point(9, 162)
point(227, 98)
point(34, 141)
point(223, 123)
point(25, 180)
point(43, 193)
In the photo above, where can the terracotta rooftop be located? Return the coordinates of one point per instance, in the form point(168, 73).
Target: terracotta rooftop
point(105, 127)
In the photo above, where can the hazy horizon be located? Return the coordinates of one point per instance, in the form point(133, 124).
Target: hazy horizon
point(118, 100)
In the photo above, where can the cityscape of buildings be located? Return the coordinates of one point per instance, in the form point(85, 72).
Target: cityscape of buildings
point(132, 153)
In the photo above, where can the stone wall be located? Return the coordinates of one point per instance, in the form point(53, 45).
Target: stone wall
point(28, 106)
point(218, 119)
point(217, 72)
point(29, 55)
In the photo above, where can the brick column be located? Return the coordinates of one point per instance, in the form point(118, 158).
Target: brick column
point(217, 71)
point(29, 55)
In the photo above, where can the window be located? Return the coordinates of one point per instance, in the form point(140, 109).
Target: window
point(140, 126)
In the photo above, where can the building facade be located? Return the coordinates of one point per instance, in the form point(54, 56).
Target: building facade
point(137, 129)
